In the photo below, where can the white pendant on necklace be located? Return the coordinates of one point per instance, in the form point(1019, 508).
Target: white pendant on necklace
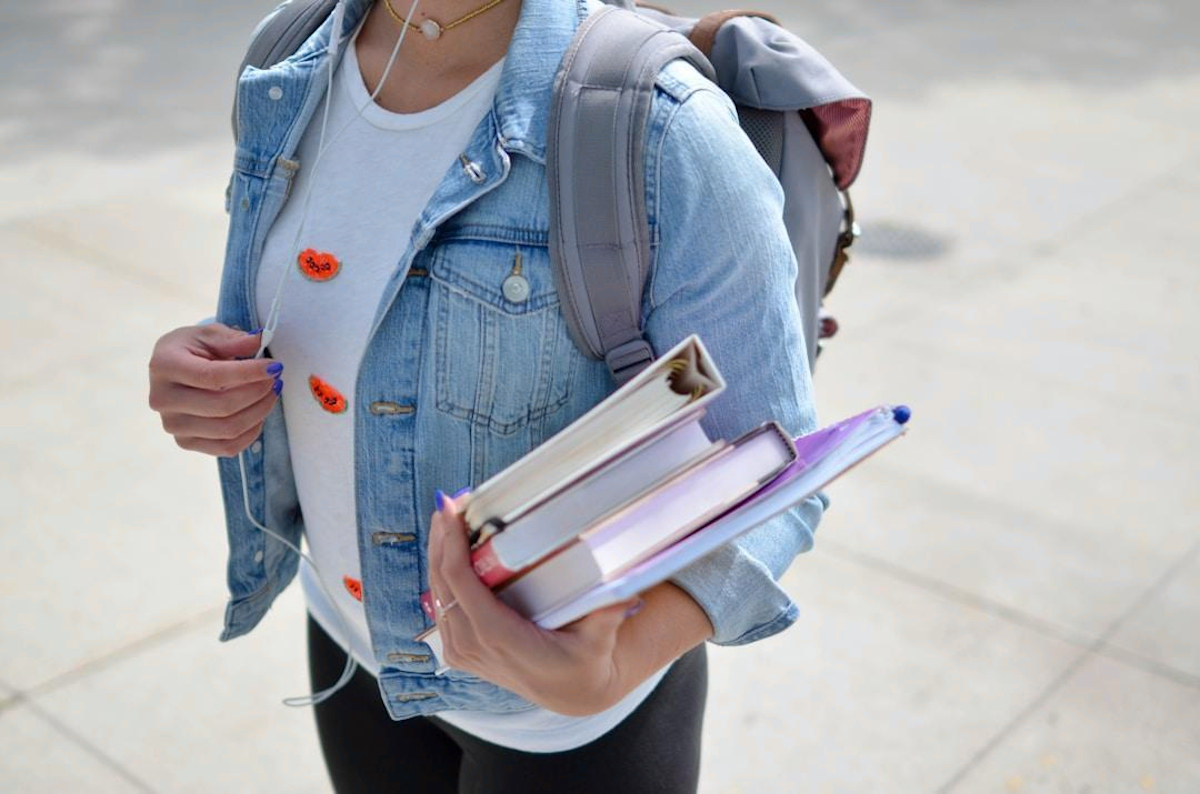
point(431, 30)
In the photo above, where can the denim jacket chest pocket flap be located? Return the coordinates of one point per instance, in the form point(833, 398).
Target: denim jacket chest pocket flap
point(504, 357)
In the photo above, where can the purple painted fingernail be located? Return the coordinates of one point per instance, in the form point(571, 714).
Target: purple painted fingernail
point(274, 368)
point(277, 387)
point(636, 608)
point(440, 499)
point(461, 492)
point(255, 333)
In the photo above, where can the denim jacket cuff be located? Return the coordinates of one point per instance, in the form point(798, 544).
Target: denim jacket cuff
point(743, 601)
point(243, 614)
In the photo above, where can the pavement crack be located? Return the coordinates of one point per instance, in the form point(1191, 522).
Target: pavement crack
point(1044, 627)
point(87, 746)
point(29, 698)
point(127, 651)
point(1097, 648)
point(958, 595)
point(11, 701)
point(64, 244)
point(1097, 217)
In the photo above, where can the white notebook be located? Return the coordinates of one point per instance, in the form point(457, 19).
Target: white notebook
point(672, 389)
point(559, 520)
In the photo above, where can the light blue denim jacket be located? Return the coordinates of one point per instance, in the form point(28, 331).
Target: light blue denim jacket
point(457, 381)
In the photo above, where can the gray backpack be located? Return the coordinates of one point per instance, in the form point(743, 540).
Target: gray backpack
point(806, 120)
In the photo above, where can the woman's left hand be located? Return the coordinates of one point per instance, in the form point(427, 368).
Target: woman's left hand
point(573, 670)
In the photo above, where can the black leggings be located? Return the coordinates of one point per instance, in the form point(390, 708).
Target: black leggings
point(654, 749)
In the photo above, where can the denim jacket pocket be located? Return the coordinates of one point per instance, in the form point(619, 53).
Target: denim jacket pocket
point(504, 357)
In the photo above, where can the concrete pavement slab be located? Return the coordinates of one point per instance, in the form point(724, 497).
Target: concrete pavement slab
point(998, 124)
point(935, 162)
point(118, 533)
point(117, 540)
point(993, 429)
point(39, 758)
point(879, 687)
point(1188, 176)
point(1107, 309)
point(1077, 573)
point(164, 246)
point(111, 80)
point(901, 48)
point(196, 715)
point(1109, 727)
point(54, 180)
point(80, 328)
point(1055, 417)
point(77, 310)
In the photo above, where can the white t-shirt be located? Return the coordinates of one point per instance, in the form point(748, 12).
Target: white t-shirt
point(378, 171)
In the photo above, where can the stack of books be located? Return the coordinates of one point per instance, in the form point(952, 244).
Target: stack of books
point(634, 490)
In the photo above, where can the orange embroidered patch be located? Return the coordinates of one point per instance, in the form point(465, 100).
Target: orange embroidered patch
point(330, 398)
point(318, 265)
point(353, 587)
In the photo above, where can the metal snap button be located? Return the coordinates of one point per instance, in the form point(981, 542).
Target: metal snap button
point(256, 447)
point(473, 170)
point(275, 92)
point(516, 289)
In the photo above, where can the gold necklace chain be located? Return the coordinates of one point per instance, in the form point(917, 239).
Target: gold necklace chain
point(432, 29)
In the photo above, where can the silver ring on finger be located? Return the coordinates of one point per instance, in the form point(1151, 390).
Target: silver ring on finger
point(440, 610)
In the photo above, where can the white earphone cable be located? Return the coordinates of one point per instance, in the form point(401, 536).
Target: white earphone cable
point(323, 146)
point(351, 665)
point(268, 332)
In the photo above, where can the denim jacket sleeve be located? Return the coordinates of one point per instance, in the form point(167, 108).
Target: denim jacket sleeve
point(725, 270)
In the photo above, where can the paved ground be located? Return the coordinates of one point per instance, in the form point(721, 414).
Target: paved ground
point(1007, 601)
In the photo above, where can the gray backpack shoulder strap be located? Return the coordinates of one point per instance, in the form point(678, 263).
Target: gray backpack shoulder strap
point(599, 235)
point(281, 34)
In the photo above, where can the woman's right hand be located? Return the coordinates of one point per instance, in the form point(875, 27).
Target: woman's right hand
point(212, 396)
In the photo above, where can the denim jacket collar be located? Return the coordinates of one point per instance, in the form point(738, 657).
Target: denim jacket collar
point(543, 32)
point(268, 138)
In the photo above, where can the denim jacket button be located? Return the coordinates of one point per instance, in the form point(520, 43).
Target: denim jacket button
point(392, 538)
point(256, 447)
point(275, 92)
point(473, 170)
point(407, 658)
point(516, 289)
point(258, 556)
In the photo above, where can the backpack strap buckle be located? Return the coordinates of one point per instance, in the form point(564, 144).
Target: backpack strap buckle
point(628, 359)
